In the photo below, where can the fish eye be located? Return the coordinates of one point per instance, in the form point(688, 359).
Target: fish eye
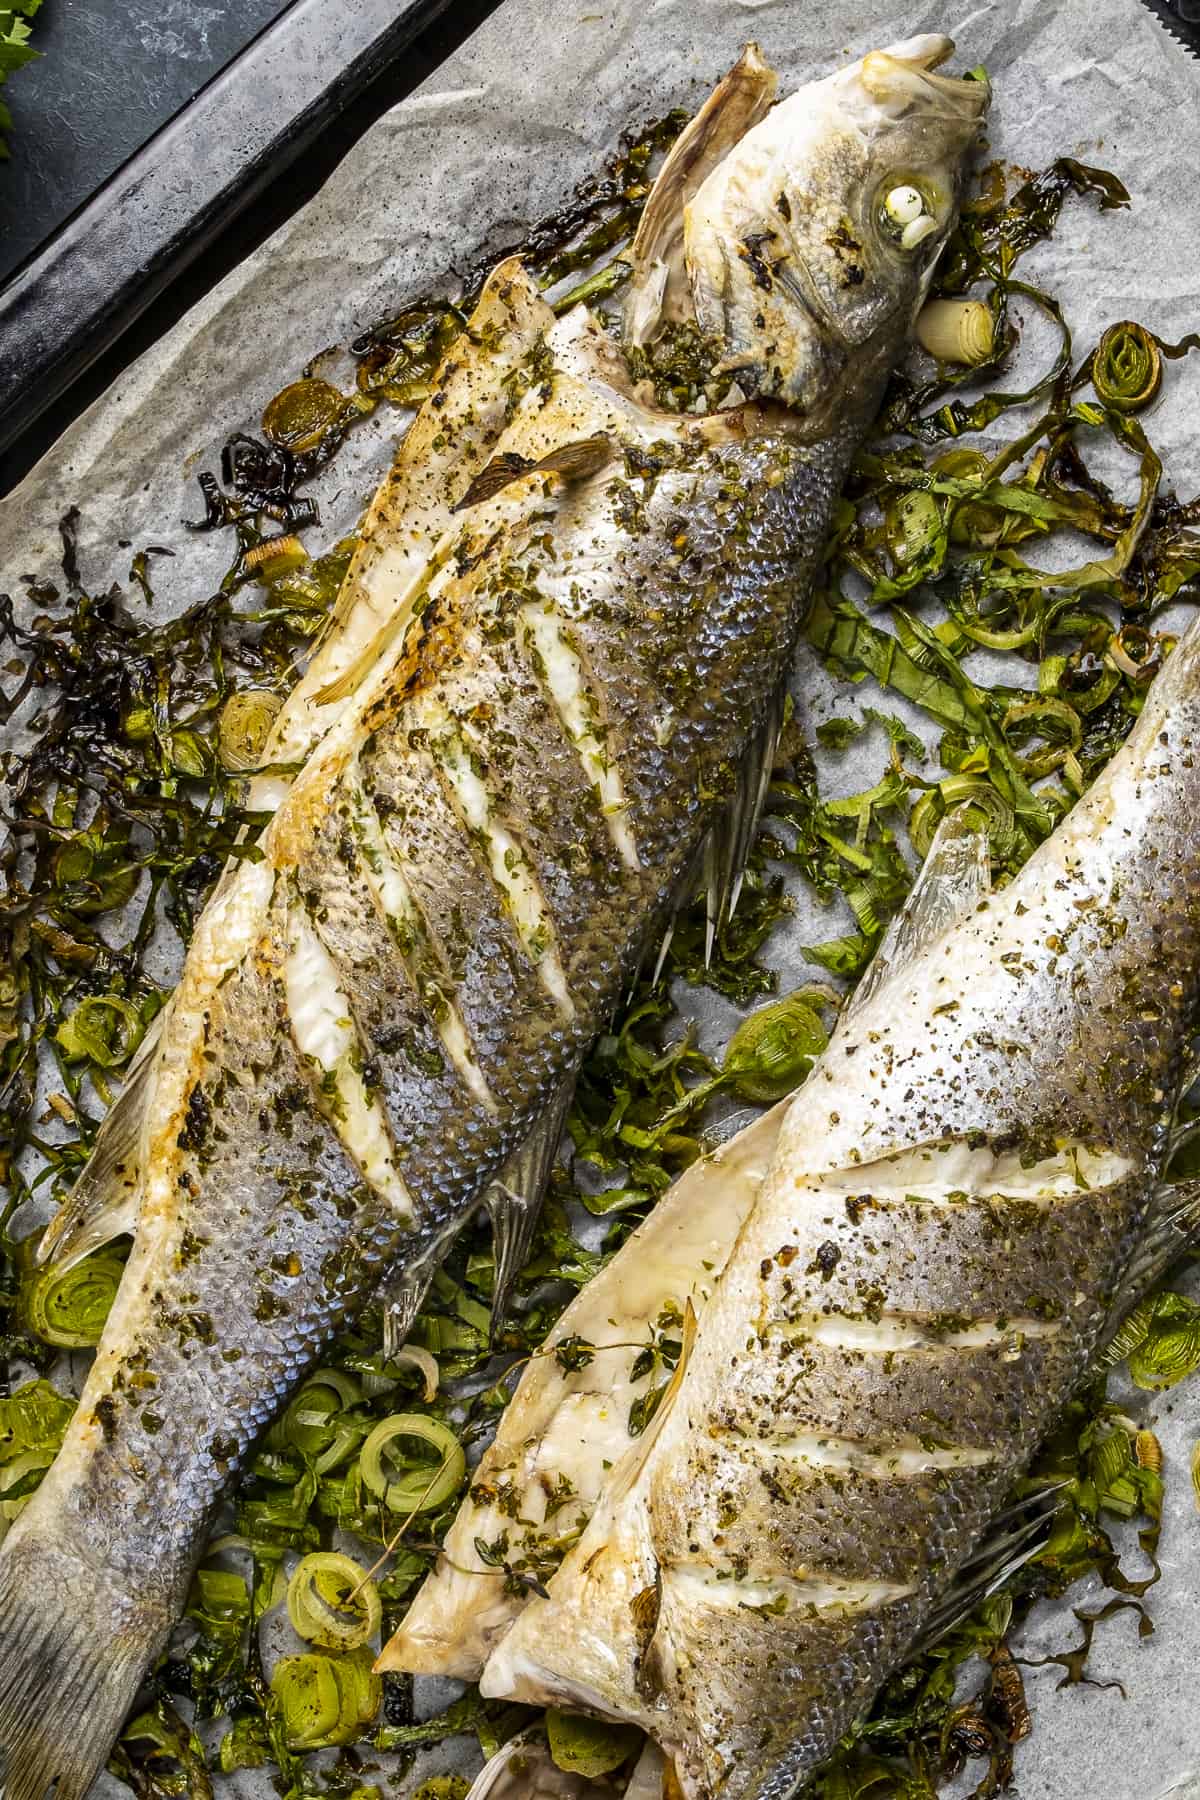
point(906, 215)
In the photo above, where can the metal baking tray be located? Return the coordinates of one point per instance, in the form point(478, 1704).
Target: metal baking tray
point(320, 63)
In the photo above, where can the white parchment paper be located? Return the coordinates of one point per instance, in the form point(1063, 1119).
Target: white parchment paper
point(500, 135)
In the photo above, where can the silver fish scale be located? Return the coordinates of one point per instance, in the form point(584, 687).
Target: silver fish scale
point(964, 1260)
point(717, 549)
point(810, 1526)
point(392, 999)
point(537, 783)
point(278, 1240)
point(476, 946)
point(841, 1393)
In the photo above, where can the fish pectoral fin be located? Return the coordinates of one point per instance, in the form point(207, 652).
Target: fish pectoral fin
point(659, 285)
point(1172, 1228)
point(571, 462)
point(514, 1199)
point(954, 878)
point(105, 1201)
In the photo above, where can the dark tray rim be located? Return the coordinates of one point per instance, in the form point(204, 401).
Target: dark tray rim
point(75, 297)
point(99, 271)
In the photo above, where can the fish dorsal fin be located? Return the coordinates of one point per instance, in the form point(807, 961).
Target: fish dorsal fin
point(954, 878)
point(570, 462)
point(1014, 1538)
point(723, 857)
point(105, 1201)
point(514, 1199)
point(402, 1295)
point(659, 286)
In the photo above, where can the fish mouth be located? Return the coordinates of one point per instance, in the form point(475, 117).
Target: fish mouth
point(901, 80)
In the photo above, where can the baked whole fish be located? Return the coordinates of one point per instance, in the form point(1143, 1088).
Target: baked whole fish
point(557, 665)
point(575, 1410)
point(961, 1202)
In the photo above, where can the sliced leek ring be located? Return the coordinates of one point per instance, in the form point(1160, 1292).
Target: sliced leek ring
point(331, 1602)
point(417, 1487)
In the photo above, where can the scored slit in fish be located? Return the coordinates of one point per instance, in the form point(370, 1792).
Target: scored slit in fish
point(537, 690)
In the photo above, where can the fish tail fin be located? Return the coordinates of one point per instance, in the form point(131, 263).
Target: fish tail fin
point(72, 1656)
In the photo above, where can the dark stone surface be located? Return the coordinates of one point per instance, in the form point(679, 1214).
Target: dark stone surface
point(112, 72)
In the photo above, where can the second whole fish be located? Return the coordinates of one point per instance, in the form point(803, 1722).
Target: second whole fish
point(560, 666)
point(957, 1209)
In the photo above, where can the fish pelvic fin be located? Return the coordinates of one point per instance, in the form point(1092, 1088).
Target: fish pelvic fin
point(402, 1296)
point(954, 878)
point(514, 1202)
point(72, 1656)
point(105, 1201)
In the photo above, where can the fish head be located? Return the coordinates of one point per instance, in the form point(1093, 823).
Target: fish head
point(811, 245)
